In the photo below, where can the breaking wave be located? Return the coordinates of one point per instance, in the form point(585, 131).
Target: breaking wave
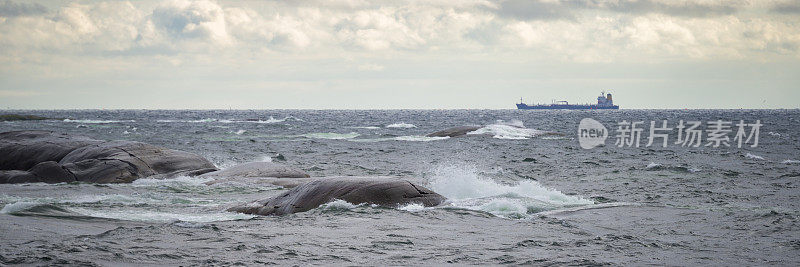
point(401, 125)
point(97, 121)
point(466, 188)
point(333, 136)
point(409, 138)
point(513, 130)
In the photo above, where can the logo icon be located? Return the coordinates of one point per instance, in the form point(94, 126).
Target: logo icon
point(591, 133)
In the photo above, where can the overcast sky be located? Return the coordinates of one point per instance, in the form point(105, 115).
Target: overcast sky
point(351, 54)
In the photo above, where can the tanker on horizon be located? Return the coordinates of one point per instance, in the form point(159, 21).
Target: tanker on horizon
point(604, 101)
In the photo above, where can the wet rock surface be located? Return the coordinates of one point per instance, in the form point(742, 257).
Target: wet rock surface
point(356, 190)
point(44, 156)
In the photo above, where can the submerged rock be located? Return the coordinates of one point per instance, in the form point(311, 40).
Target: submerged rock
point(390, 192)
point(260, 172)
point(455, 131)
point(45, 156)
point(259, 169)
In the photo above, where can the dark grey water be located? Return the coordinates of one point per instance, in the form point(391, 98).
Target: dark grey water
point(514, 197)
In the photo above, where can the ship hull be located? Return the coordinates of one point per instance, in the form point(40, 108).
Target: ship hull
point(554, 106)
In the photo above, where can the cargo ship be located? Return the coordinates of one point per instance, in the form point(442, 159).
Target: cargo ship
point(604, 101)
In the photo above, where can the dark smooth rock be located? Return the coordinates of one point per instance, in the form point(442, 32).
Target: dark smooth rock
point(20, 150)
point(455, 131)
point(389, 192)
point(44, 156)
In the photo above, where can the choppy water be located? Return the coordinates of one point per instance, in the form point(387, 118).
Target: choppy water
point(515, 196)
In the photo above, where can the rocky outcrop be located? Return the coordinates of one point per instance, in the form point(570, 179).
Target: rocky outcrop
point(44, 156)
point(390, 192)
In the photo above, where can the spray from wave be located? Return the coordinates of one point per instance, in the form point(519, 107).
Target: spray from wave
point(466, 188)
point(513, 130)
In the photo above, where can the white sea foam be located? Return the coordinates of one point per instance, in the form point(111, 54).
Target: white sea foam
point(465, 188)
point(240, 132)
point(790, 161)
point(333, 136)
point(274, 120)
point(413, 207)
point(18, 206)
point(653, 166)
point(366, 127)
point(155, 216)
point(753, 156)
point(418, 138)
point(338, 204)
point(409, 138)
point(401, 125)
point(513, 130)
point(97, 121)
point(179, 181)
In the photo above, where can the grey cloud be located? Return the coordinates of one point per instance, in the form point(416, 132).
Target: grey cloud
point(533, 10)
point(787, 8)
point(687, 9)
point(565, 9)
point(11, 9)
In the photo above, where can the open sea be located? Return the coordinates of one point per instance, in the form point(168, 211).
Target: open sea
point(515, 196)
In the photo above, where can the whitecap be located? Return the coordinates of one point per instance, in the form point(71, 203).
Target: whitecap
point(18, 206)
point(177, 181)
point(401, 125)
point(465, 188)
point(790, 161)
point(274, 120)
point(653, 166)
point(155, 216)
point(332, 136)
point(240, 132)
point(753, 156)
point(418, 138)
point(513, 130)
point(338, 204)
point(412, 207)
point(97, 121)
point(366, 127)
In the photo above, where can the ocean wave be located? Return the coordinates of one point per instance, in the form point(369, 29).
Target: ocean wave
point(211, 120)
point(332, 136)
point(401, 125)
point(753, 156)
point(339, 205)
point(366, 127)
point(206, 120)
point(164, 217)
point(513, 130)
point(790, 161)
point(97, 121)
point(177, 181)
point(409, 138)
point(465, 188)
point(413, 207)
point(274, 120)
